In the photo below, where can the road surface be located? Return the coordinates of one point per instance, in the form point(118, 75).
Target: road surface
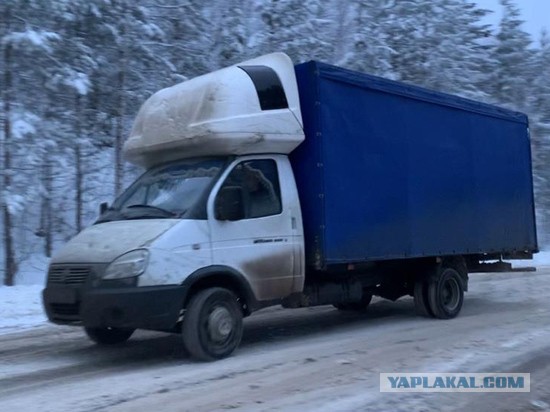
point(306, 359)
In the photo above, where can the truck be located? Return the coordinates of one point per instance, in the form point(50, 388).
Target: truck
point(271, 184)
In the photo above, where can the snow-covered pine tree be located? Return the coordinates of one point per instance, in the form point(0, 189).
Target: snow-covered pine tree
point(461, 49)
point(293, 27)
point(369, 50)
point(68, 81)
point(441, 45)
point(513, 70)
point(126, 66)
point(226, 34)
point(184, 47)
point(540, 134)
point(22, 48)
point(540, 98)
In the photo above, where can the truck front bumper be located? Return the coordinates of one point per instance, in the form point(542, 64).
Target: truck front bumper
point(151, 307)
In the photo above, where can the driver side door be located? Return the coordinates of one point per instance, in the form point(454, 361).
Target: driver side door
point(258, 241)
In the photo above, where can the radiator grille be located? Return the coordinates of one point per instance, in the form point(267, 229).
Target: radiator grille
point(68, 275)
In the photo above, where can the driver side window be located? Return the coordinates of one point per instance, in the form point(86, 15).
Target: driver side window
point(258, 181)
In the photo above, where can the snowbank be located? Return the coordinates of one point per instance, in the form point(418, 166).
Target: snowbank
point(33, 271)
point(21, 308)
point(21, 305)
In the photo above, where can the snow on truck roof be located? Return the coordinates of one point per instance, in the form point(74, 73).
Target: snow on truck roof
point(252, 107)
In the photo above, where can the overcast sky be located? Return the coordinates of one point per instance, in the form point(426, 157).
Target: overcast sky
point(536, 14)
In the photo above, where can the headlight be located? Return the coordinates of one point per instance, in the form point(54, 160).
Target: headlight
point(128, 265)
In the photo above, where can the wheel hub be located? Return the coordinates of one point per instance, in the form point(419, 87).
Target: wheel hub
point(450, 294)
point(220, 324)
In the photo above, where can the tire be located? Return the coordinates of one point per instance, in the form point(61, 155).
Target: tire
point(421, 299)
point(109, 336)
point(212, 324)
point(446, 293)
point(355, 306)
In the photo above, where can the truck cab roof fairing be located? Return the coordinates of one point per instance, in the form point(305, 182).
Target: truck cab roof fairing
point(271, 92)
point(221, 113)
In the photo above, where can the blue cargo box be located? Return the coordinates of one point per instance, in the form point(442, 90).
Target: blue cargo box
point(393, 171)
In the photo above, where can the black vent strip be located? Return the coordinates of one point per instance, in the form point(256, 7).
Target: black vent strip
point(65, 309)
point(69, 275)
point(269, 88)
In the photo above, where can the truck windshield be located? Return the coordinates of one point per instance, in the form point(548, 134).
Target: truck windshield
point(167, 191)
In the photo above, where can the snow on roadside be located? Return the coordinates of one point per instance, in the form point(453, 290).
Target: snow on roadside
point(540, 259)
point(32, 271)
point(21, 308)
point(21, 305)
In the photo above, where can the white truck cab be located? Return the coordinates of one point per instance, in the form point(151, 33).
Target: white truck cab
point(217, 210)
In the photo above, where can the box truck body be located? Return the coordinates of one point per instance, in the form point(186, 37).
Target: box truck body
point(392, 171)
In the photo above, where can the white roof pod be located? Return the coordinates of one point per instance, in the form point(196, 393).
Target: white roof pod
point(252, 107)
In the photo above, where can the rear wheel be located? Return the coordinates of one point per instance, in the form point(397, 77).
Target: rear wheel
point(212, 324)
point(446, 293)
point(355, 306)
point(421, 299)
point(109, 336)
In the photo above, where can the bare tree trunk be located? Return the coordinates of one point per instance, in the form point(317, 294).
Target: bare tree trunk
point(121, 103)
point(46, 215)
point(341, 41)
point(79, 177)
point(10, 265)
point(49, 226)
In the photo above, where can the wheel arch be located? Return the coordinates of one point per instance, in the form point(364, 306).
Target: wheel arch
point(225, 277)
point(458, 263)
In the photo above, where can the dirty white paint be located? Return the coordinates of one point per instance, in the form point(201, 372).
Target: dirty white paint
point(267, 251)
point(177, 253)
point(104, 242)
point(216, 114)
point(177, 247)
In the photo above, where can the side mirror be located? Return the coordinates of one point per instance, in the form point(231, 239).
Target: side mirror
point(229, 204)
point(103, 207)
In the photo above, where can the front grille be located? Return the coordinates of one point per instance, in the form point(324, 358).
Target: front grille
point(68, 275)
point(65, 310)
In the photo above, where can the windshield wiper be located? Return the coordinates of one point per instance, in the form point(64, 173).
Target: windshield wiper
point(160, 209)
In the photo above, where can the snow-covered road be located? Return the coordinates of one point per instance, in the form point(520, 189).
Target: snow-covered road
point(307, 359)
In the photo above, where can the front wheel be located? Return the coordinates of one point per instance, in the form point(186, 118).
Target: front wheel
point(212, 324)
point(446, 294)
point(109, 336)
